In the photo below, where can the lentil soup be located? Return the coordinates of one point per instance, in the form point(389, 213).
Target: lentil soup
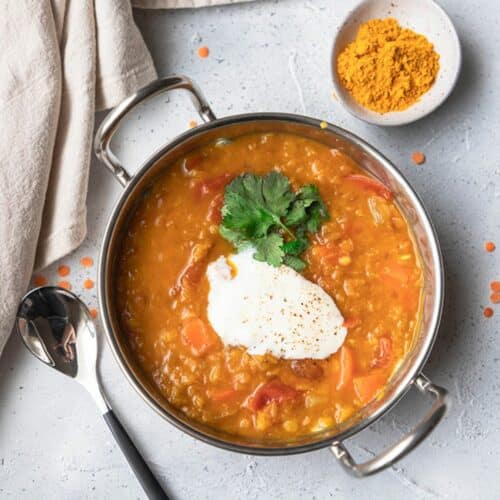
point(363, 257)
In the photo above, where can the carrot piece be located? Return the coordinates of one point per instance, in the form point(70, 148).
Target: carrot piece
point(367, 386)
point(93, 313)
point(274, 390)
point(346, 367)
point(196, 334)
point(224, 395)
point(384, 356)
point(495, 286)
point(371, 184)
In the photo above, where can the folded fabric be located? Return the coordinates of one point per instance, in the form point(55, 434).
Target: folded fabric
point(61, 61)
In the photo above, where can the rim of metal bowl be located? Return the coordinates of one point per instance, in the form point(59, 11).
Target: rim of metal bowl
point(408, 377)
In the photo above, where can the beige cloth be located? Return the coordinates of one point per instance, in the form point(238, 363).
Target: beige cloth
point(60, 61)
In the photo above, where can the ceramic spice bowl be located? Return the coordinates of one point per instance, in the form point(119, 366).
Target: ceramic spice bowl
point(424, 17)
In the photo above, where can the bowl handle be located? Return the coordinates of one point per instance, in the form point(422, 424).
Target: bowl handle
point(407, 443)
point(112, 121)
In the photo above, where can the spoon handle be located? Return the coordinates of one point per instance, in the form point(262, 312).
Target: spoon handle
point(143, 473)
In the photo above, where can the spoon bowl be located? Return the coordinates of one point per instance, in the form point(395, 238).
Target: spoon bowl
point(48, 320)
point(57, 328)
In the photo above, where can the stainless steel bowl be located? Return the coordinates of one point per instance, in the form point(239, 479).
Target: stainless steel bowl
point(409, 373)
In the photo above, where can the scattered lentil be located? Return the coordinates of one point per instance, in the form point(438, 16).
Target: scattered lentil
point(63, 270)
point(488, 312)
point(418, 157)
point(40, 280)
point(87, 261)
point(64, 284)
point(88, 284)
point(495, 298)
point(489, 246)
point(203, 52)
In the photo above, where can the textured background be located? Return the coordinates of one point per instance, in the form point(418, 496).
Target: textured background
point(274, 56)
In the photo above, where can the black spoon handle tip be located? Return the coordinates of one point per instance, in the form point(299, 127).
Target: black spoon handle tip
point(151, 486)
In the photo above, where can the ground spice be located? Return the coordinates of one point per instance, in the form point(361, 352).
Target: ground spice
point(387, 68)
point(418, 157)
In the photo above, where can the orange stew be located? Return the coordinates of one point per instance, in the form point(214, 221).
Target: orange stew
point(364, 257)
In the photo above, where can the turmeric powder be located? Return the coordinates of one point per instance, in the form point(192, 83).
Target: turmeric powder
point(387, 68)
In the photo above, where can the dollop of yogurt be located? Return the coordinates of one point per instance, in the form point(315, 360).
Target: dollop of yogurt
point(271, 309)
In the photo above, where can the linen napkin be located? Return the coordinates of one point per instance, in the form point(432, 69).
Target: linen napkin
point(60, 60)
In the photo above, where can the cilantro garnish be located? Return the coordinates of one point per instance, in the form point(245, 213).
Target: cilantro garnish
point(265, 214)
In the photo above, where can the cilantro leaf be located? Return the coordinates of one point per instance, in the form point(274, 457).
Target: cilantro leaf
point(294, 262)
point(269, 249)
point(277, 193)
point(264, 213)
point(296, 247)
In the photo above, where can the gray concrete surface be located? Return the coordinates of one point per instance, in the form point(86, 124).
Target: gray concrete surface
point(275, 56)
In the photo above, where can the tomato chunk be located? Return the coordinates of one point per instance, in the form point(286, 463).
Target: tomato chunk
point(368, 386)
point(351, 323)
point(215, 209)
point(274, 390)
point(371, 184)
point(346, 367)
point(196, 334)
point(213, 184)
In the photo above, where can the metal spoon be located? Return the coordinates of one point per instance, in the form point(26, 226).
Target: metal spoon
point(57, 328)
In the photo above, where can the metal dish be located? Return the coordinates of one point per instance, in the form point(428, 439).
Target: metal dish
point(410, 372)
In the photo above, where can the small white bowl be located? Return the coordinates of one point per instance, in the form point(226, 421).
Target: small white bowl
point(422, 16)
